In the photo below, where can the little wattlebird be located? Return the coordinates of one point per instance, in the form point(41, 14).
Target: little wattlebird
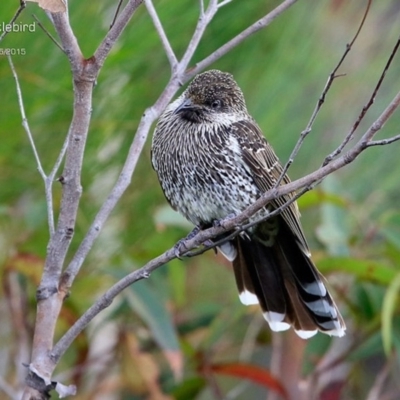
point(213, 161)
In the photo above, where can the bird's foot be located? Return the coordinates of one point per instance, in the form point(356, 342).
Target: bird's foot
point(180, 247)
point(222, 222)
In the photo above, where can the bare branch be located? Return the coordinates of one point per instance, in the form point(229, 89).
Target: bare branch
point(49, 294)
point(333, 75)
point(201, 8)
point(223, 3)
point(383, 142)
point(68, 40)
point(161, 33)
point(114, 33)
point(58, 162)
point(364, 110)
point(260, 24)
point(204, 19)
point(21, 7)
point(43, 28)
point(378, 124)
point(25, 124)
point(116, 13)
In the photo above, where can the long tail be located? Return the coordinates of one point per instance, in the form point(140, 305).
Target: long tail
point(281, 277)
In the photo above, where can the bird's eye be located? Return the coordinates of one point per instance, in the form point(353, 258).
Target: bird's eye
point(216, 104)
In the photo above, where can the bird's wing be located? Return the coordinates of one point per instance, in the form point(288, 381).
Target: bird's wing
point(266, 169)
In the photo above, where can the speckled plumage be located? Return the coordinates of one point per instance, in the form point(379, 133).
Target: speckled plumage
point(212, 161)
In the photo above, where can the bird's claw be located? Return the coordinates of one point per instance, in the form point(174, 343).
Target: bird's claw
point(222, 222)
point(180, 247)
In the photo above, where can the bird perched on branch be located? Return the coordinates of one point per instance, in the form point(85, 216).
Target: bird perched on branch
point(213, 161)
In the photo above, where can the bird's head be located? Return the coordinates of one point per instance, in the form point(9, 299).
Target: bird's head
point(209, 96)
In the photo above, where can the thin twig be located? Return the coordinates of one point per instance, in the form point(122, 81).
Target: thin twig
point(21, 7)
point(366, 107)
point(116, 13)
point(223, 3)
point(202, 23)
point(114, 33)
point(59, 160)
point(332, 76)
point(68, 40)
point(383, 142)
point(25, 124)
point(161, 33)
point(224, 49)
point(366, 139)
point(53, 39)
point(201, 8)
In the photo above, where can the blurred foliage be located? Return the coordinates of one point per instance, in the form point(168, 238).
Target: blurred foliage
point(183, 334)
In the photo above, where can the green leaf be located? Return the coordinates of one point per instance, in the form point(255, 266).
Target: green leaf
point(254, 373)
point(222, 323)
point(367, 270)
point(146, 302)
point(189, 389)
point(177, 280)
point(367, 348)
point(390, 302)
point(319, 196)
point(368, 298)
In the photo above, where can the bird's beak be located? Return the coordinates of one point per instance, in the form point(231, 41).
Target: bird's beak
point(184, 106)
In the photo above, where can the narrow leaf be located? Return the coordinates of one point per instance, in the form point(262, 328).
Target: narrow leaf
point(189, 389)
point(253, 373)
point(367, 270)
point(318, 197)
point(148, 305)
point(145, 302)
point(388, 309)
